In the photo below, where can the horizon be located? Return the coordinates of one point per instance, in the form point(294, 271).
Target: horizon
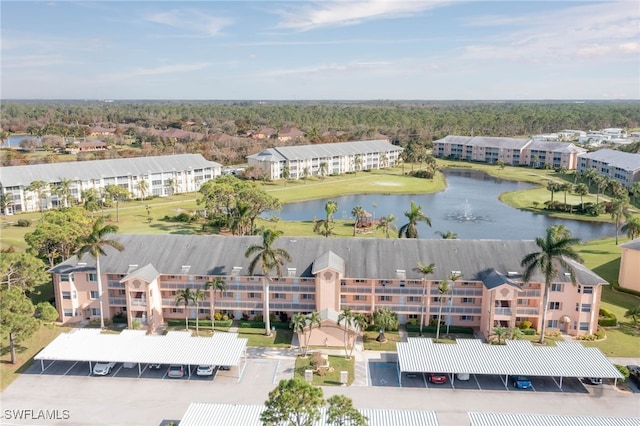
point(369, 50)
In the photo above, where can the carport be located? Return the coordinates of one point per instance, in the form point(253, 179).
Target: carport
point(135, 346)
point(493, 419)
point(516, 357)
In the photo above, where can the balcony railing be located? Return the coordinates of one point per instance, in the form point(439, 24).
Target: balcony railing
point(502, 311)
point(455, 310)
point(117, 301)
point(527, 311)
point(138, 302)
point(115, 284)
point(529, 293)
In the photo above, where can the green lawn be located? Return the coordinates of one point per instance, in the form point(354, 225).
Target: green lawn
point(332, 378)
point(370, 343)
point(280, 338)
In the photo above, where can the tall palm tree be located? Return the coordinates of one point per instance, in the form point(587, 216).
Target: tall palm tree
point(298, 324)
point(198, 296)
point(313, 318)
point(330, 209)
point(216, 284)
point(63, 189)
point(357, 164)
point(384, 160)
point(39, 187)
point(269, 258)
point(171, 186)
point(619, 208)
point(632, 227)
point(94, 244)
point(323, 167)
point(360, 323)
point(443, 289)
point(424, 270)
point(555, 249)
point(358, 213)
point(415, 215)
point(143, 187)
point(346, 316)
point(449, 235)
point(581, 190)
point(185, 297)
point(386, 223)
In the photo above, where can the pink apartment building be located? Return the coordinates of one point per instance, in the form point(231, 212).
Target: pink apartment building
point(328, 274)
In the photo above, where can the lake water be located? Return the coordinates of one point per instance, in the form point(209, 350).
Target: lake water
point(469, 207)
point(14, 140)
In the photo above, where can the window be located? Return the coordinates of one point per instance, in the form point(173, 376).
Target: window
point(522, 302)
point(466, 318)
point(577, 307)
point(66, 295)
point(586, 307)
point(95, 312)
point(64, 278)
point(468, 300)
point(306, 296)
point(203, 311)
point(584, 326)
point(176, 311)
point(554, 306)
point(413, 299)
point(557, 287)
point(552, 323)
point(384, 298)
point(253, 295)
point(587, 290)
point(68, 312)
point(360, 298)
point(227, 294)
point(93, 294)
point(279, 296)
point(92, 277)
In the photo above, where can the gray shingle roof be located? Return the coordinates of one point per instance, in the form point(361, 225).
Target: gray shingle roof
point(326, 150)
point(363, 257)
point(633, 245)
point(620, 159)
point(551, 146)
point(96, 169)
point(147, 273)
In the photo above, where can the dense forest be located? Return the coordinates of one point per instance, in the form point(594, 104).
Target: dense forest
point(401, 121)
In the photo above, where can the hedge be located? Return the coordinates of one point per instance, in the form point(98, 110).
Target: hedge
point(607, 318)
point(201, 323)
point(529, 331)
point(617, 287)
point(443, 328)
point(260, 324)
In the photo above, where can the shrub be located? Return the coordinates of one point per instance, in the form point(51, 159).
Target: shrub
point(601, 333)
point(454, 329)
point(529, 331)
point(119, 318)
point(23, 223)
point(284, 317)
point(525, 325)
point(616, 286)
point(412, 322)
point(258, 318)
point(607, 318)
point(552, 332)
point(623, 370)
point(217, 316)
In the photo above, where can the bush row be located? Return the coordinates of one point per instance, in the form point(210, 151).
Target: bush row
point(607, 318)
point(260, 324)
point(529, 331)
point(617, 287)
point(454, 329)
point(201, 323)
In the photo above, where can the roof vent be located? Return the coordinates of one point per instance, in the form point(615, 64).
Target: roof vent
point(456, 272)
point(512, 274)
point(236, 271)
point(132, 268)
point(567, 274)
point(401, 274)
point(82, 263)
point(291, 272)
point(185, 269)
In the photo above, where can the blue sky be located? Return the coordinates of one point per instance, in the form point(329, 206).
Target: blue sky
point(298, 50)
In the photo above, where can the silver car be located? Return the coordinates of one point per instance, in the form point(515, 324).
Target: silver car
point(103, 368)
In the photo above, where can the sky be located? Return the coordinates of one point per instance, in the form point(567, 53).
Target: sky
point(320, 50)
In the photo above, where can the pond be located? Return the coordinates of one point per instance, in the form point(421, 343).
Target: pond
point(468, 207)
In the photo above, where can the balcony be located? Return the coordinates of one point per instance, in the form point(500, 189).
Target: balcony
point(139, 302)
point(502, 311)
point(527, 311)
point(117, 301)
point(529, 293)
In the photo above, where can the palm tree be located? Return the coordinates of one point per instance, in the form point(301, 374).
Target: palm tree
point(632, 227)
point(386, 320)
point(358, 213)
point(500, 333)
point(555, 249)
point(415, 215)
point(601, 183)
point(323, 167)
point(198, 296)
point(517, 334)
point(216, 284)
point(357, 164)
point(312, 319)
point(387, 224)
point(143, 187)
point(298, 324)
point(565, 187)
point(424, 270)
point(449, 235)
point(444, 288)
point(619, 208)
point(185, 296)
point(286, 174)
point(269, 258)
point(384, 160)
point(39, 187)
point(171, 186)
point(305, 173)
point(330, 208)
point(360, 323)
point(581, 189)
point(94, 244)
point(634, 314)
point(553, 187)
point(346, 316)
point(63, 189)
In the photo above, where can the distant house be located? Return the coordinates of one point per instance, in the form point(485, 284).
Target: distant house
point(629, 275)
point(339, 158)
point(94, 145)
point(264, 133)
point(287, 134)
point(189, 172)
point(101, 131)
point(621, 166)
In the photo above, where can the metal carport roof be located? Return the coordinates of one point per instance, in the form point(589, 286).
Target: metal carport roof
point(511, 419)
point(176, 347)
point(566, 359)
point(200, 413)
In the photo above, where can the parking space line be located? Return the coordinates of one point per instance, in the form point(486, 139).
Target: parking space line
point(424, 379)
point(242, 371)
point(74, 364)
point(275, 372)
point(534, 389)
point(45, 369)
point(117, 371)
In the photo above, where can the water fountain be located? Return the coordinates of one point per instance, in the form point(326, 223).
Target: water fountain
point(465, 214)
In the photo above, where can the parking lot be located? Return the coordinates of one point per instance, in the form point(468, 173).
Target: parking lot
point(386, 374)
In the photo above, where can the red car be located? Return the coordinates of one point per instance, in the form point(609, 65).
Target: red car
point(438, 378)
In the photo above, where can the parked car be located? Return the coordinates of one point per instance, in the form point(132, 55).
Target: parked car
point(204, 370)
point(224, 367)
point(634, 374)
point(128, 364)
point(463, 376)
point(155, 366)
point(521, 382)
point(438, 378)
point(103, 368)
point(175, 371)
point(594, 380)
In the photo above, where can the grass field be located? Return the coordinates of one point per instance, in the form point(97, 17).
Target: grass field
point(332, 378)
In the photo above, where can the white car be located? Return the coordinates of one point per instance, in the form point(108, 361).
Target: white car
point(103, 368)
point(205, 370)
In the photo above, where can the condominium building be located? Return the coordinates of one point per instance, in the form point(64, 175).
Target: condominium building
point(619, 165)
point(327, 159)
point(629, 274)
point(163, 176)
point(328, 274)
point(512, 151)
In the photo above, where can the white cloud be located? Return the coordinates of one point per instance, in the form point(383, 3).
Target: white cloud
point(32, 61)
point(164, 69)
point(341, 13)
point(191, 21)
